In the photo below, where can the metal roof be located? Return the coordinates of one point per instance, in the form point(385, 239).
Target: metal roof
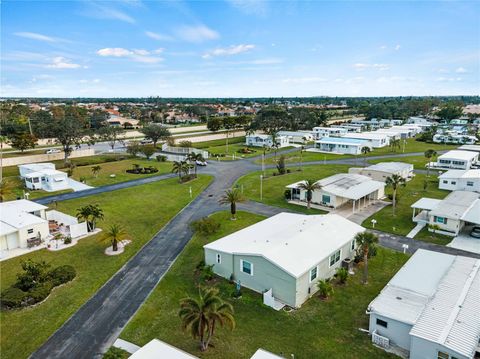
point(391, 167)
point(461, 155)
point(472, 215)
point(293, 242)
point(343, 141)
point(455, 205)
point(461, 174)
point(426, 203)
point(155, 349)
point(15, 214)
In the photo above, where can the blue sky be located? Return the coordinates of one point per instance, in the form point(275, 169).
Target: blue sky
point(239, 48)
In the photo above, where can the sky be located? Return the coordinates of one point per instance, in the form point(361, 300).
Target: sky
point(239, 48)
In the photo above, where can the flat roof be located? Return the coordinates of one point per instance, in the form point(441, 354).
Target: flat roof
point(391, 167)
point(263, 354)
point(293, 242)
point(343, 141)
point(350, 185)
point(156, 349)
point(474, 148)
point(458, 154)
point(474, 174)
point(371, 135)
point(426, 203)
point(455, 205)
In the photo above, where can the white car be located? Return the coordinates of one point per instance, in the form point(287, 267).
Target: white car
point(201, 163)
point(52, 150)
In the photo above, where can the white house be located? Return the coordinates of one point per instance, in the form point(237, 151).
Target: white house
point(381, 171)
point(266, 141)
point(451, 214)
point(454, 138)
point(377, 140)
point(460, 180)
point(351, 128)
point(341, 189)
point(297, 136)
point(397, 132)
point(430, 308)
point(473, 148)
point(340, 145)
point(456, 159)
point(22, 224)
point(43, 176)
point(319, 132)
point(284, 256)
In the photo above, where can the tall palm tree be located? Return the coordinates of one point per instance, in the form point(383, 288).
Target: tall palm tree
point(178, 169)
point(114, 234)
point(200, 315)
point(90, 214)
point(232, 197)
point(193, 158)
point(6, 188)
point(365, 241)
point(395, 181)
point(394, 144)
point(365, 150)
point(309, 186)
point(429, 154)
point(96, 170)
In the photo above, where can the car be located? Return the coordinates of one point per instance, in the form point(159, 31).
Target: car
point(146, 142)
point(201, 163)
point(475, 232)
point(52, 150)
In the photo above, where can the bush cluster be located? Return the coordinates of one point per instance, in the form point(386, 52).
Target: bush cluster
point(206, 226)
point(143, 170)
point(34, 284)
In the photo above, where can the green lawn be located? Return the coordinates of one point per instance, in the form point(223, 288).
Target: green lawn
point(220, 142)
point(142, 209)
point(9, 154)
point(418, 162)
point(274, 186)
point(401, 223)
point(437, 238)
point(327, 329)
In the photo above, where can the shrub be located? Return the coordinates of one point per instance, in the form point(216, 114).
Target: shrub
point(161, 158)
point(116, 353)
point(62, 274)
point(281, 165)
point(148, 150)
point(67, 240)
point(325, 288)
point(342, 275)
point(83, 179)
point(287, 194)
point(206, 226)
point(33, 274)
point(39, 293)
point(207, 272)
point(12, 297)
point(185, 143)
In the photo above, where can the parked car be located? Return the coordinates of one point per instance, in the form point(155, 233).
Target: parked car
point(146, 142)
point(52, 150)
point(475, 232)
point(201, 163)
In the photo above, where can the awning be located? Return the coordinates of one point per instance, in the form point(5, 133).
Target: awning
point(426, 203)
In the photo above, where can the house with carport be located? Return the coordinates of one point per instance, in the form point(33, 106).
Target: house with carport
point(43, 176)
point(377, 140)
point(284, 256)
point(382, 170)
point(430, 308)
point(456, 159)
point(340, 145)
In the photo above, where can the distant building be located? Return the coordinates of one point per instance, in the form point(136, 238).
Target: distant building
point(297, 136)
point(456, 159)
point(460, 180)
point(377, 140)
point(319, 132)
point(341, 145)
point(454, 138)
point(381, 171)
point(43, 176)
point(266, 141)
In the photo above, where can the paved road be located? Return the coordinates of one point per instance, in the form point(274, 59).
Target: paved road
point(96, 325)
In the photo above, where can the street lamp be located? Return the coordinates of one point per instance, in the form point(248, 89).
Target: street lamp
point(261, 187)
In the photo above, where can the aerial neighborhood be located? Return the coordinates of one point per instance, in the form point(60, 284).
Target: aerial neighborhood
point(223, 180)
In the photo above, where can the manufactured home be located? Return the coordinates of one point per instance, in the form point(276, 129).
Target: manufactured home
point(381, 171)
point(456, 159)
point(340, 145)
point(460, 180)
point(266, 141)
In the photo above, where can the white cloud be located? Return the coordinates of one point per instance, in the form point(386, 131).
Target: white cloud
point(383, 47)
point(268, 61)
point(114, 51)
point(138, 55)
point(60, 62)
point(197, 33)
point(99, 11)
point(157, 36)
point(363, 66)
point(303, 80)
point(256, 7)
point(448, 79)
point(461, 70)
point(228, 51)
point(397, 47)
point(36, 36)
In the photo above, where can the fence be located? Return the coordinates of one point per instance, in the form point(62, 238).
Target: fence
point(183, 150)
point(14, 161)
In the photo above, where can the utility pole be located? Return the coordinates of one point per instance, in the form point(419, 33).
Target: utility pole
point(261, 187)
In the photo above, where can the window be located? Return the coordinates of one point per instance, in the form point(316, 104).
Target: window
point(325, 198)
point(469, 183)
point(334, 258)
point(30, 231)
point(353, 245)
point(442, 355)
point(454, 182)
point(313, 274)
point(445, 182)
point(382, 323)
point(219, 258)
point(440, 220)
point(246, 267)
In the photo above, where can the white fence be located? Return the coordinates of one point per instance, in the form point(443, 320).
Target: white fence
point(184, 150)
point(20, 160)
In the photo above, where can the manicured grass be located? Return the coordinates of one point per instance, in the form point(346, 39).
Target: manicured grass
point(219, 142)
point(142, 210)
point(118, 168)
point(418, 162)
point(9, 154)
point(320, 329)
point(437, 238)
point(401, 223)
point(274, 186)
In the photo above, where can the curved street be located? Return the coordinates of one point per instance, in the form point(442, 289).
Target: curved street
point(98, 323)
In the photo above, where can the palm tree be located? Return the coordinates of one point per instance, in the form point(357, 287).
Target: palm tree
point(114, 234)
point(365, 150)
point(6, 189)
point(193, 158)
point(95, 170)
point(395, 181)
point(365, 241)
point(232, 197)
point(429, 154)
point(309, 186)
point(178, 169)
point(200, 316)
point(325, 288)
point(90, 214)
point(394, 144)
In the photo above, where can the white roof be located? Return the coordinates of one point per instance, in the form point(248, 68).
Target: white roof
point(426, 203)
point(293, 242)
point(263, 354)
point(37, 167)
point(391, 167)
point(15, 215)
point(461, 155)
point(156, 349)
point(367, 135)
point(455, 205)
point(452, 316)
point(472, 215)
point(461, 174)
point(475, 148)
point(350, 185)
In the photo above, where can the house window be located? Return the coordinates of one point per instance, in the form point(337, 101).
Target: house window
point(30, 231)
point(313, 274)
point(353, 245)
point(454, 182)
point(445, 182)
point(334, 258)
point(382, 323)
point(219, 258)
point(442, 220)
point(469, 183)
point(325, 198)
point(246, 267)
point(442, 355)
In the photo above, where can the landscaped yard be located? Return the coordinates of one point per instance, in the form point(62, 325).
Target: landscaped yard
point(418, 162)
point(273, 187)
point(327, 329)
point(402, 222)
point(142, 210)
